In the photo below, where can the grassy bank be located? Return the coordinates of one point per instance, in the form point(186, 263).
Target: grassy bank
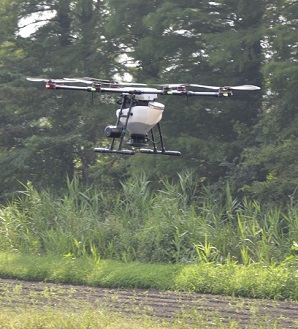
point(255, 280)
point(176, 238)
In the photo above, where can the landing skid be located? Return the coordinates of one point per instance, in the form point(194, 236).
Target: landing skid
point(148, 151)
point(103, 150)
point(132, 152)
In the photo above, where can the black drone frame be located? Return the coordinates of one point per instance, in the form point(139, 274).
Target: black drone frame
point(129, 100)
point(119, 130)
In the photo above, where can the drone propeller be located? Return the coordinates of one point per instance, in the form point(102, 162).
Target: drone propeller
point(172, 85)
point(74, 80)
point(46, 80)
point(242, 87)
point(88, 80)
point(109, 82)
point(114, 86)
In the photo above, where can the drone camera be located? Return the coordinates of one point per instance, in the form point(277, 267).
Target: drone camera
point(113, 131)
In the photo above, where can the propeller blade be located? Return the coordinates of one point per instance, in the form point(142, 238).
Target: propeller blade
point(245, 87)
point(95, 80)
point(88, 80)
point(130, 84)
point(171, 85)
point(203, 86)
point(73, 80)
point(92, 79)
point(46, 80)
point(242, 87)
point(37, 79)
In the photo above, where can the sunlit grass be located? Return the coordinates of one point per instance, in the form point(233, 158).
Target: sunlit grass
point(252, 280)
point(29, 318)
point(53, 318)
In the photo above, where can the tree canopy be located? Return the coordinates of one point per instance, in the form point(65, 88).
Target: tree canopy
point(248, 141)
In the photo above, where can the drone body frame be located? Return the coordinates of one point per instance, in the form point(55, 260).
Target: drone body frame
point(139, 113)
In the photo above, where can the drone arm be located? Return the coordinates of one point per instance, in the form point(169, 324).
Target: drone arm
point(203, 93)
point(51, 85)
point(57, 86)
point(189, 93)
point(131, 91)
point(219, 93)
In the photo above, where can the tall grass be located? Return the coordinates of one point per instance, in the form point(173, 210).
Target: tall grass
point(178, 223)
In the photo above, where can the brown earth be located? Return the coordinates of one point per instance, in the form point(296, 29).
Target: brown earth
point(171, 306)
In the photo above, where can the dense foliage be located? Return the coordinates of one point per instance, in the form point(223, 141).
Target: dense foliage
point(171, 225)
point(248, 141)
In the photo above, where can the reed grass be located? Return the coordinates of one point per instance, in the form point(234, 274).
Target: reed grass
point(177, 237)
point(177, 223)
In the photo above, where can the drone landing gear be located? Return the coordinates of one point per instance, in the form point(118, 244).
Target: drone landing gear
point(155, 150)
point(118, 132)
point(103, 150)
point(140, 141)
point(149, 151)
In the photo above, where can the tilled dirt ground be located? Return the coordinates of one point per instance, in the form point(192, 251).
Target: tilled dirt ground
point(171, 306)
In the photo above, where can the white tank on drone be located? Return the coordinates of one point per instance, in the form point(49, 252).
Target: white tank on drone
point(143, 117)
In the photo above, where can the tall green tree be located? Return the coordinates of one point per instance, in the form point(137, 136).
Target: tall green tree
point(200, 42)
point(272, 161)
point(249, 140)
point(11, 60)
point(45, 136)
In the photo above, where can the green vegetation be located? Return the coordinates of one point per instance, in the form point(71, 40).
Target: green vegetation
point(51, 308)
point(69, 319)
point(86, 319)
point(228, 223)
point(33, 318)
point(174, 224)
point(255, 280)
point(44, 305)
point(248, 141)
point(196, 243)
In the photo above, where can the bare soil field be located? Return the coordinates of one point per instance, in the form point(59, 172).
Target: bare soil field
point(166, 305)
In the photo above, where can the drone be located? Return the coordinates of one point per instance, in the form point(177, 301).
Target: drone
point(139, 114)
